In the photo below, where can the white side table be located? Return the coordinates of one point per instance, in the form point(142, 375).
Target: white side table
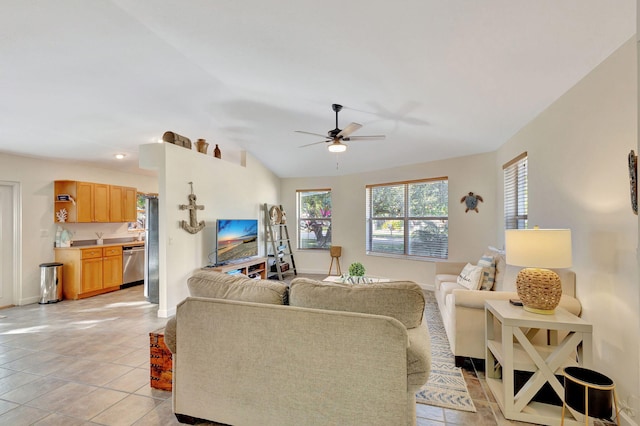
point(513, 351)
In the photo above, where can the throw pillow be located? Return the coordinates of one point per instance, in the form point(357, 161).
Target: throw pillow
point(402, 300)
point(501, 266)
point(470, 277)
point(489, 272)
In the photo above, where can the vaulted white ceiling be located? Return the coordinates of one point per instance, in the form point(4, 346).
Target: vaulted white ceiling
point(86, 79)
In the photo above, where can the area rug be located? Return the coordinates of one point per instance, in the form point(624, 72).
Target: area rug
point(446, 386)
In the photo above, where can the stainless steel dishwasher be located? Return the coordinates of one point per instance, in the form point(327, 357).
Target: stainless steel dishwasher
point(132, 264)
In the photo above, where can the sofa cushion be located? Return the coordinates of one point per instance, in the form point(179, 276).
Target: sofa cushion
point(489, 272)
point(402, 300)
point(471, 277)
point(218, 285)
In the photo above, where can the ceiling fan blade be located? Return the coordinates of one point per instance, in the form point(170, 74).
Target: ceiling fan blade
point(348, 130)
point(361, 138)
point(314, 143)
point(309, 133)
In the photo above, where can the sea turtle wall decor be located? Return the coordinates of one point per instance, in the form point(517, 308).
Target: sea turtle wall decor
point(471, 201)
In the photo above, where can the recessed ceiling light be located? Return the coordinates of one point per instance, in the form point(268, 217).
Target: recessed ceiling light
point(160, 141)
point(120, 156)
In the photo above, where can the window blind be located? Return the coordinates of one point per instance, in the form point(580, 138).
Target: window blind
point(408, 218)
point(516, 200)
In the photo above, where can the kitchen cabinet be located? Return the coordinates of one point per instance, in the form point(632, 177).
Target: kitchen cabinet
point(100, 202)
point(130, 205)
point(88, 202)
point(84, 202)
point(112, 267)
point(91, 271)
point(116, 208)
point(122, 204)
point(97, 203)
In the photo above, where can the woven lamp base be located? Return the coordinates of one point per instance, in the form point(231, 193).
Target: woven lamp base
point(539, 290)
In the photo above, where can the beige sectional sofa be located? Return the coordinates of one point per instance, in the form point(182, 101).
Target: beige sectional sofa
point(336, 354)
point(462, 309)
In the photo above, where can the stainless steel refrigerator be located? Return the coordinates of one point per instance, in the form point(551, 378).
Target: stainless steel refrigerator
point(151, 252)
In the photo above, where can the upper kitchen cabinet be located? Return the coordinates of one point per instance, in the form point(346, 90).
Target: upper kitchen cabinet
point(93, 202)
point(101, 202)
point(130, 204)
point(122, 207)
point(87, 202)
point(116, 207)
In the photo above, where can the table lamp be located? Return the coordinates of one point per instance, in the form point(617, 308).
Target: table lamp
point(538, 288)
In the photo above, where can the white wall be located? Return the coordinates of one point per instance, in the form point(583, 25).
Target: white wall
point(226, 189)
point(36, 177)
point(469, 233)
point(578, 178)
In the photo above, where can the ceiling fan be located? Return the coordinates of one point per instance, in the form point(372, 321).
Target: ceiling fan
point(336, 136)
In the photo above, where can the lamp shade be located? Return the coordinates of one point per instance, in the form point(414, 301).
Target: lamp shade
point(337, 147)
point(538, 248)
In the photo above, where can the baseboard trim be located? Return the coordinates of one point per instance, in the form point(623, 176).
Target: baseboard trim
point(29, 300)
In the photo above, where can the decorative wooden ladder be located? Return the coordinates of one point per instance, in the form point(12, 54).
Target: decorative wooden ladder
point(278, 242)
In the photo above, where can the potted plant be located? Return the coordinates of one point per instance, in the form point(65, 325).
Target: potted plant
point(356, 269)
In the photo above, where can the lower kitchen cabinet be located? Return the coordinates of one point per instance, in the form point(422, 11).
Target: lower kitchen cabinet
point(112, 267)
point(90, 271)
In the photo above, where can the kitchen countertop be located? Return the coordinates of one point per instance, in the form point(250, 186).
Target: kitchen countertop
point(91, 246)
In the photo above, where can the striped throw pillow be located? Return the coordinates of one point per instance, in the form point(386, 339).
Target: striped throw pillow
point(489, 272)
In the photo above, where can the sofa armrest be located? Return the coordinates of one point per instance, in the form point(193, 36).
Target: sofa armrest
point(170, 334)
point(571, 304)
point(418, 356)
point(450, 268)
point(476, 298)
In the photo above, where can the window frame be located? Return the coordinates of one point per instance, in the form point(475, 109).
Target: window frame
point(299, 218)
point(516, 192)
point(406, 218)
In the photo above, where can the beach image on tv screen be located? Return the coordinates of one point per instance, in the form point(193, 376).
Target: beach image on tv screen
point(237, 239)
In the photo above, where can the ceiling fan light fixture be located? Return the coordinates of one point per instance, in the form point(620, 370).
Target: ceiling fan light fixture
point(337, 147)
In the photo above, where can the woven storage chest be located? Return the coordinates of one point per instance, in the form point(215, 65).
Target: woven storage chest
point(160, 361)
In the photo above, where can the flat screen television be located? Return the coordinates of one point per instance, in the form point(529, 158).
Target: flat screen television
point(236, 239)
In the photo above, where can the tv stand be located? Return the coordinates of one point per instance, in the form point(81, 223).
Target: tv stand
point(251, 268)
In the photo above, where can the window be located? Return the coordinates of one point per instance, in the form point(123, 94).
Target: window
point(516, 199)
point(409, 218)
point(314, 218)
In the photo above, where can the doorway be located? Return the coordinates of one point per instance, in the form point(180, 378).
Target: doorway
point(9, 242)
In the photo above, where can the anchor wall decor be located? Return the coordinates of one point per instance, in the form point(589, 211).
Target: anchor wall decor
point(193, 227)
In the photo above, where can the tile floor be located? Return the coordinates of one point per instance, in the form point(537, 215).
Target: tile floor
point(87, 362)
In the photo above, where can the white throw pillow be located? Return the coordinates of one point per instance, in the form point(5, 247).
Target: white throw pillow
point(471, 276)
